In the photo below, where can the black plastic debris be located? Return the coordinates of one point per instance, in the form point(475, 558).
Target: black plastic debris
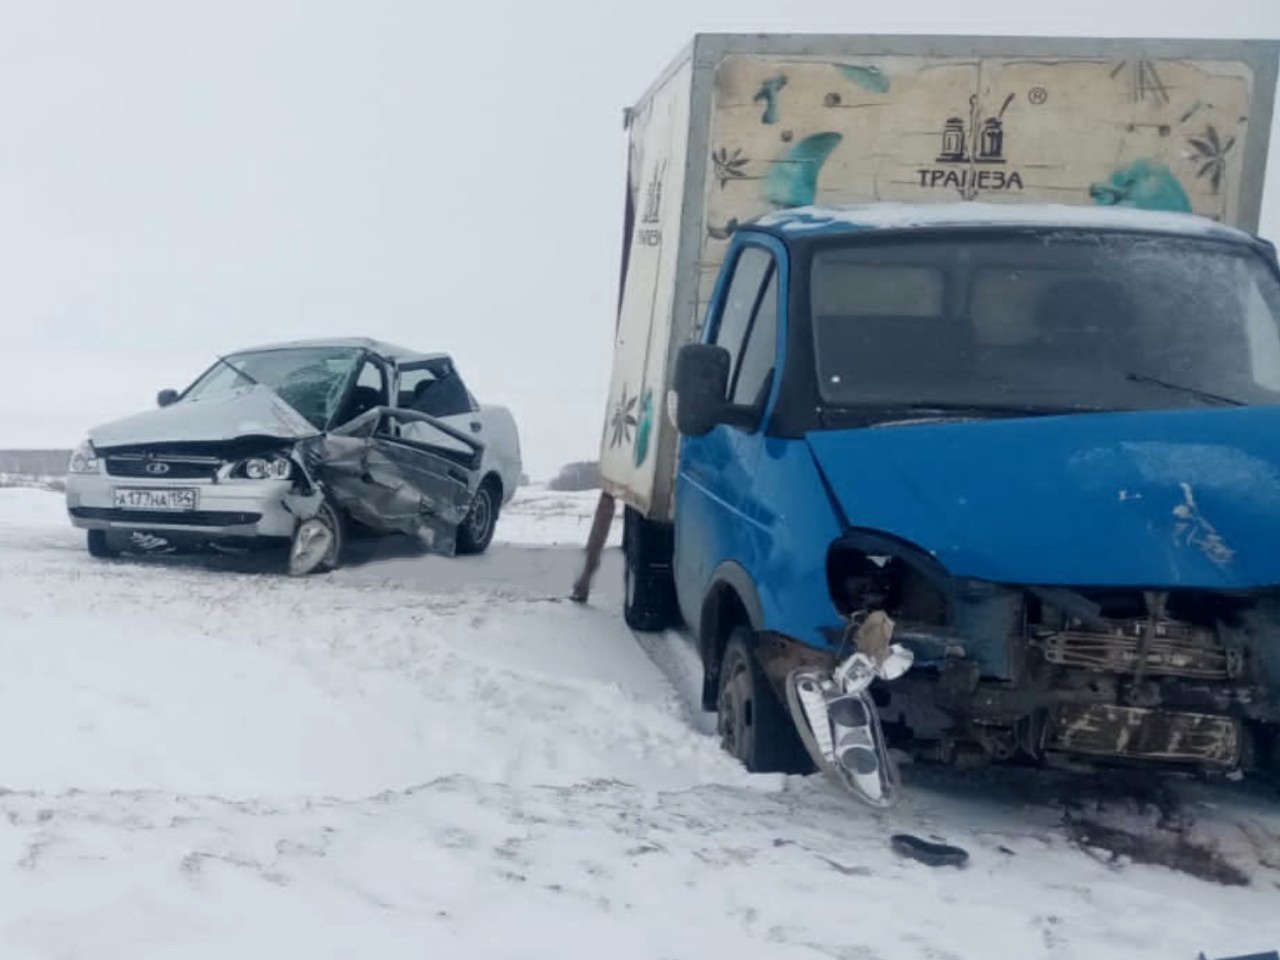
point(1269, 955)
point(927, 852)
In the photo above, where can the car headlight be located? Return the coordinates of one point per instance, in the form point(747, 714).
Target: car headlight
point(266, 468)
point(84, 459)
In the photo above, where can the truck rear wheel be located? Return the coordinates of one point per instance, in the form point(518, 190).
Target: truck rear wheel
point(649, 603)
point(754, 726)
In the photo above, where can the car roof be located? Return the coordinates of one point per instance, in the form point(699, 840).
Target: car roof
point(836, 220)
point(388, 351)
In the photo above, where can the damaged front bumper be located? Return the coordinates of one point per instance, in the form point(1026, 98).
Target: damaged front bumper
point(879, 689)
point(232, 509)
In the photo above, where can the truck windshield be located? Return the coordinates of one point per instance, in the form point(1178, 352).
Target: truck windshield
point(312, 380)
point(1061, 321)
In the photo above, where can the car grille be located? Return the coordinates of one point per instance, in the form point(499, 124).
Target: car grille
point(162, 467)
point(167, 518)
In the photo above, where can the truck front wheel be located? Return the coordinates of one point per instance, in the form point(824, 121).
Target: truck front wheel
point(649, 603)
point(753, 724)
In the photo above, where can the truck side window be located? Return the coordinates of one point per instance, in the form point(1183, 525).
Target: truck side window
point(759, 352)
point(744, 290)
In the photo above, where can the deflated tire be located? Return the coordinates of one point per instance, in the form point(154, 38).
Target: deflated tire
point(316, 544)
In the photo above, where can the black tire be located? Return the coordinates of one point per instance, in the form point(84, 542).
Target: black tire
point(476, 531)
point(649, 589)
point(100, 545)
point(753, 725)
point(331, 517)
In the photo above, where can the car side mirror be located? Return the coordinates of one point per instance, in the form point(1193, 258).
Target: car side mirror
point(701, 385)
point(166, 397)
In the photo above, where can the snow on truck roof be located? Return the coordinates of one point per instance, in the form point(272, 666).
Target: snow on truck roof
point(921, 216)
point(388, 351)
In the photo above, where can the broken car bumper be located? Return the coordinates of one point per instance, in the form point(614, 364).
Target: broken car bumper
point(225, 509)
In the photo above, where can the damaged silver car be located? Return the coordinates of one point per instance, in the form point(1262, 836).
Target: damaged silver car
point(302, 445)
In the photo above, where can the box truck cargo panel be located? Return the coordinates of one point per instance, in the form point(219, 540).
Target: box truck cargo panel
point(741, 126)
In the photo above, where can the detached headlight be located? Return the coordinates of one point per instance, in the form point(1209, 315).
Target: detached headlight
point(266, 468)
point(84, 460)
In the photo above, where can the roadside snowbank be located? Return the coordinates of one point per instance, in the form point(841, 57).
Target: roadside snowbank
point(417, 756)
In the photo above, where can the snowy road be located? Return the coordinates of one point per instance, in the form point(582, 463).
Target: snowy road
point(418, 757)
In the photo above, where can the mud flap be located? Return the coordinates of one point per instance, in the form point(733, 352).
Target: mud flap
point(837, 720)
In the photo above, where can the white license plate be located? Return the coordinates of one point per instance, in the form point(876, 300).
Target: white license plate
point(151, 498)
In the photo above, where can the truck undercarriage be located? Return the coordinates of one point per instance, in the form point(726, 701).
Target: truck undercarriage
point(1179, 679)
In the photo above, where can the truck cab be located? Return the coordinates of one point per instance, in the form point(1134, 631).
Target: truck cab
point(1035, 447)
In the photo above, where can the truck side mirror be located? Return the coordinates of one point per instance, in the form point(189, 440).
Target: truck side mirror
point(701, 384)
point(166, 397)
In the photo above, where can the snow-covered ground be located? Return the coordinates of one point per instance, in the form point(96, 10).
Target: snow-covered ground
point(419, 757)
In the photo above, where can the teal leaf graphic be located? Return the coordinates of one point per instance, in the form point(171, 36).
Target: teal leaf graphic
point(1145, 185)
point(644, 430)
point(869, 78)
point(793, 180)
point(768, 94)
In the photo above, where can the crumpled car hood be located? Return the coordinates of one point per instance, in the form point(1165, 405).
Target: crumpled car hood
point(1187, 498)
point(253, 412)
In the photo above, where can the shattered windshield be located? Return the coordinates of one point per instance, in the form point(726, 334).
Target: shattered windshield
point(1063, 321)
point(312, 380)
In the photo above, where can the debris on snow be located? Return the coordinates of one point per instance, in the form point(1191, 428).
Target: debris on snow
point(927, 852)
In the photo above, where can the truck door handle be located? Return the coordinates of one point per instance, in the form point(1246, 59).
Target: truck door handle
point(475, 426)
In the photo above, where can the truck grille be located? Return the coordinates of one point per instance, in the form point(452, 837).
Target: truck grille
point(162, 467)
point(1177, 650)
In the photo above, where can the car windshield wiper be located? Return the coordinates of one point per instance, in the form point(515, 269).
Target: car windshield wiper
point(1135, 377)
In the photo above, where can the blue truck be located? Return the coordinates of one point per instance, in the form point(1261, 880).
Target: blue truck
point(954, 428)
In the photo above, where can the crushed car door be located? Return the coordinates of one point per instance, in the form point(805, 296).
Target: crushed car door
point(400, 471)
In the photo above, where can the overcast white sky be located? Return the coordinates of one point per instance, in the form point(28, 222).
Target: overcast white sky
point(178, 179)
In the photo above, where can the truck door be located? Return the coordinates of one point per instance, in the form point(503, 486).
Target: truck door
point(718, 516)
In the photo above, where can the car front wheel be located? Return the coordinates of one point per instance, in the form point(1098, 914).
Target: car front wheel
point(317, 543)
point(100, 545)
